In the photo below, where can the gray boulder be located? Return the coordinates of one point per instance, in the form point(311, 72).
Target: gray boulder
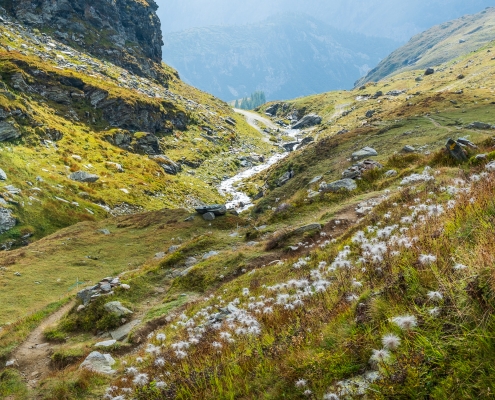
point(122, 332)
point(455, 150)
point(217, 209)
point(370, 113)
point(209, 216)
point(364, 153)
point(7, 220)
point(285, 178)
point(85, 294)
point(97, 362)
point(167, 164)
point(390, 173)
point(83, 176)
point(479, 125)
point(429, 71)
point(115, 307)
point(307, 121)
point(3, 175)
point(8, 131)
point(346, 184)
point(307, 228)
point(290, 146)
point(408, 149)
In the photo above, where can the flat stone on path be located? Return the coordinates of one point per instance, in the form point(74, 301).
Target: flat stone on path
point(122, 332)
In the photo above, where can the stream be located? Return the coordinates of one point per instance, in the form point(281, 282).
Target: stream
point(240, 200)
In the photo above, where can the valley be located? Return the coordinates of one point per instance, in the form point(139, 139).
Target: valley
point(353, 258)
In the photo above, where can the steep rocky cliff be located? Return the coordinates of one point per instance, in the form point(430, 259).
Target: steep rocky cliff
point(125, 32)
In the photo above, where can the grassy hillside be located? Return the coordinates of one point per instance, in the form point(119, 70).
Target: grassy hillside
point(389, 296)
point(72, 112)
point(437, 45)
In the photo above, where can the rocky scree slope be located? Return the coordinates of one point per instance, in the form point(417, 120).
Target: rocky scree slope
point(125, 32)
point(81, 137)
point(437, 45)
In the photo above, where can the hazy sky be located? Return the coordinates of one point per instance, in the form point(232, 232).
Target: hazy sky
point(397, 19)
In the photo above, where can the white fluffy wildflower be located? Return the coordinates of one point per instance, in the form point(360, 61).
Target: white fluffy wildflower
point(217, 345)
point(307, 392)
point(301, 383)
point(180, 354)
point(490, 166)
point(391, 341)
point(379, 356)
point(434, 312)
point(160, 362)
point(405, 322)
point(351, 297)
point(131, 371)
point(331, 396)
point(160, 384)
point(435, 296)
point(140, 379)
point(245, 292)
point(435, 210)
point(268, 310)
point(427, 259)
point(460, 267)
point(161, 337)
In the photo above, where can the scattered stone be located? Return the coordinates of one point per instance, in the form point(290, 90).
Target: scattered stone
point(209, 216)
point(307, 121)
point(3, 175)
point(466, 142)
point(285, 178)
point(347, 184)
point(173, 249)
point(390, 173)
point(83, 176)
point(125, 286)
point(210, 254)
point(115, 307)
point(106, 343)
point(80, 307)
point(97, 362)
point(122, 332)
point(429, 71)
point(370, 113)
point(189, 219)
point(160, 255)
point(167, 164)
point(8, 131)
point(191, 261)
point(357, 170)
point(480, 157)
point(7, 220)
point(408, 149)
point(480, 125)
point(461, 76)
point(364, 153)
point(315, 179)
point(11, 363)
point(307, 228)
point(456, 150)
point(216, 209)
point(104, 231)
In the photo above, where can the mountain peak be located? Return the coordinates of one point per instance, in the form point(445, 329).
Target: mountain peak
point(126, 32)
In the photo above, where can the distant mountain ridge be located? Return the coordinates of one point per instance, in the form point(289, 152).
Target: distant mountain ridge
point(397, 20)
point(286, 56)
point(437, 45)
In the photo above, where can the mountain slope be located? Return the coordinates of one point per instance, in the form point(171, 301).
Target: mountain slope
point(437, 45)
point(285, 56)
point(147, 146)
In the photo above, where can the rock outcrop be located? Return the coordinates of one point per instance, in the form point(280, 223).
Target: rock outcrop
point(125, 32)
